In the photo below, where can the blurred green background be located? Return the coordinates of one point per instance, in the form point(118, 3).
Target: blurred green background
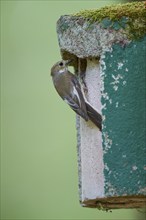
point(39, 177)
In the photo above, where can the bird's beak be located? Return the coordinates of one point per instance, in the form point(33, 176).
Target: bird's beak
point(67, 62)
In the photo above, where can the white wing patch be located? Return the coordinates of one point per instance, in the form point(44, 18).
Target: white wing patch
point(71, 103)
point(66, 101)
point(75, 92)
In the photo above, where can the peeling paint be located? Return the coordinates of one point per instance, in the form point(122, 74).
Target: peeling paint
point(111, 189)
point(107, 142)
point(142, 191)
point(120, 65)
point(123, 129)
point(117, 104)
point(106, 167)
point(115, 87)
point(124, 83)
point(134, 168)
point(116, 81)
point(110, 101)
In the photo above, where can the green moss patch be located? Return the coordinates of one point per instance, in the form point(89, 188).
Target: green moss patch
point(129, 16)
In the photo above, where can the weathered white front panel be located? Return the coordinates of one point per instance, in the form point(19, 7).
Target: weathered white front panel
point(92, 166)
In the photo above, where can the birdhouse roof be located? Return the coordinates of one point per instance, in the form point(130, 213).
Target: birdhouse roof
point(90, 32)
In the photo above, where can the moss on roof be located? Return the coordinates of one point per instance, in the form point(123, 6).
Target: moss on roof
point(135, 14)
point(115, 12)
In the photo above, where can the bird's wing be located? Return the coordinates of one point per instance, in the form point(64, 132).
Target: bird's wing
point(78, 98)
point(71, 102)
point(75, 98)
point(77, 93)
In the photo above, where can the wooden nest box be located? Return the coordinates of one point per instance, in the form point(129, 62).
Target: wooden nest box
point(108, 47)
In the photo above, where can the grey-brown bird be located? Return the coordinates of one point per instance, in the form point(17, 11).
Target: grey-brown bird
point(69, 89)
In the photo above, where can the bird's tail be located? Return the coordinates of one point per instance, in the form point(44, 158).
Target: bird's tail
point(94, 116)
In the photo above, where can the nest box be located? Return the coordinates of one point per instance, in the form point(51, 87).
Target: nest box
point(108, 47)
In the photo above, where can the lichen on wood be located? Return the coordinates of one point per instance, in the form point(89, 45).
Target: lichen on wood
point(101, 28)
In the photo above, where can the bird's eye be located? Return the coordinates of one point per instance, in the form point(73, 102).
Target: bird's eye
point(60, 64)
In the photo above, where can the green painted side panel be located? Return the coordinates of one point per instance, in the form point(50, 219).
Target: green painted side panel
point(124, 125)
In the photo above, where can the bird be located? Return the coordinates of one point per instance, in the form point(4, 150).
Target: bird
point(68, 87)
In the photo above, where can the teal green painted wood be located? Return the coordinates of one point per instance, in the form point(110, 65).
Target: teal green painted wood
point(124, 127)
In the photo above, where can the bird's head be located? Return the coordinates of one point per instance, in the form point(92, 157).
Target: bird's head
point(60, 67)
